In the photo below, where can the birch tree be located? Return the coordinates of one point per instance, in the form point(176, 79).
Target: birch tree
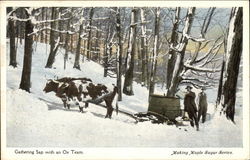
point(144, 46)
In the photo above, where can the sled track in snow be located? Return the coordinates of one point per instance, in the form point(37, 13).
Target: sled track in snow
point(52, 106)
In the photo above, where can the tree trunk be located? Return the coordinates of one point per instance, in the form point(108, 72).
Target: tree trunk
point(53, 47)
point(219, 92)
point(128, 82)
point(97, 50)
point(66, 46)
point(147, 64)
point(172, 53)
point(105, 55)
point(178, 65)
point(27, 60)
point(60, 25)
point(11, 31)
point(233, 55)
point(84, 49)
point(46, 31)
point(91, 13)
point(77, 56)
point(220, 84)
point(17, 24)
point(72, 43)
point(155, 51)
point(42, 33)
point(143, 48)
point(119, 55)
point(21, 30)
point(139, 56)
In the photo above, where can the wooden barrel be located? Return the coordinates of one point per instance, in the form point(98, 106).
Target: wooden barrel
point(167, 106)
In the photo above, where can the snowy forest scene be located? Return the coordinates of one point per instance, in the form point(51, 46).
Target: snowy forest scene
point(124, 77)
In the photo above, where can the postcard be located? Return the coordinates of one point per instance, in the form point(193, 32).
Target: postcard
point(124, 80)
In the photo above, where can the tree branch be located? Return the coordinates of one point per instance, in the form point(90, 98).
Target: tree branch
point(200, 69)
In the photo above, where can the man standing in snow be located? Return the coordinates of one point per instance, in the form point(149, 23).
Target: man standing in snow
point(202, 101)
point(190, 107)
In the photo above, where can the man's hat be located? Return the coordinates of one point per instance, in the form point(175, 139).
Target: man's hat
point(189, 87)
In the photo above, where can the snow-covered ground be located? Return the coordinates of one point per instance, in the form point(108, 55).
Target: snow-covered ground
point(37, 119)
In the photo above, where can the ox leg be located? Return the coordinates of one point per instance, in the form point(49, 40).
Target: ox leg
point(86, 104)
point(81, 107)
point(68, 105)
point(109, 109)
point(64, 103)
point(64, 100)
point(110, 112)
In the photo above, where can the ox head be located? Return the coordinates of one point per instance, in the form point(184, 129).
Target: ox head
point(102, 88)
point(51, 85)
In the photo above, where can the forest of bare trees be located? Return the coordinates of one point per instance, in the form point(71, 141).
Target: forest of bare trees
point(150, 46)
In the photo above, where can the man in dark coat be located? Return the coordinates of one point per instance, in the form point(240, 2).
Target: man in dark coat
point(190, 107)
point(202, 109)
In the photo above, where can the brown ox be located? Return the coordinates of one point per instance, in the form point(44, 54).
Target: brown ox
point(81, 91)
point(65, 89)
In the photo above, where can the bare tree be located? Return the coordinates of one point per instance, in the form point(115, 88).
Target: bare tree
point(144, 48)
point(155, 50)
point(128, 82)
point(53, 45)
point(119, 54)
point(203, 32)
point(195, 68)
point(180, 51)
point(66, 42)
point(233, 57)
point(173, 42)
point(46, 31)
point(42, 33)
point(77, 56)
point(107, 57)
point(11, 32)
point(91, 13)
point(26, 73)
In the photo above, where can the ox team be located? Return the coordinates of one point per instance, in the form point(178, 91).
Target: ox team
point(81, 91)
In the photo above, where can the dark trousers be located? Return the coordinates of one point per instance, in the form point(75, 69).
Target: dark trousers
point(193, 119)
point(202, 113)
